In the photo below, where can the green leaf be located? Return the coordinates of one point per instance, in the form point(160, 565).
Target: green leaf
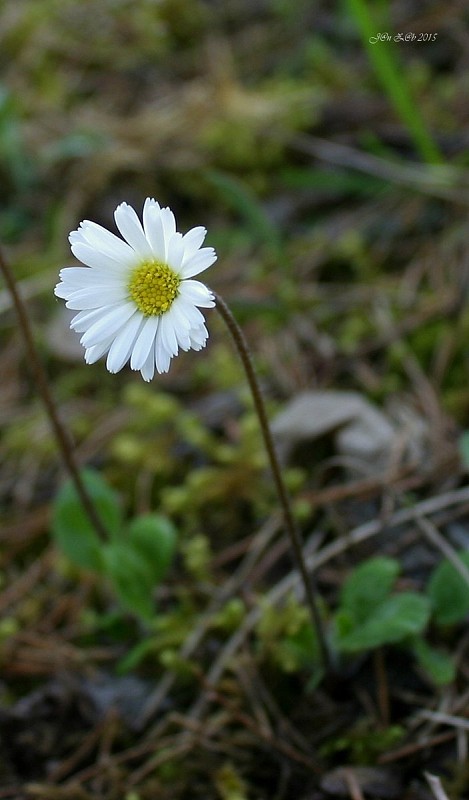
point(71, 527)
point(131, 577)
point(395, 619)
point(343, 623)
point(302, 646)
point(367, 586)
point(449, 592)
point(154, 537)
point(438, 666)
point(300, 650)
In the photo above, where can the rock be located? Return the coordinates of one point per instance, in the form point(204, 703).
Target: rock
point(360, 430)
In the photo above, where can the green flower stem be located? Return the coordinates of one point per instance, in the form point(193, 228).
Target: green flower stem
point(311, 590)
point(61, 434)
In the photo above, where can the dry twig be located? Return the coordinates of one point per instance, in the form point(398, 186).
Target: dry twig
point(436, 787)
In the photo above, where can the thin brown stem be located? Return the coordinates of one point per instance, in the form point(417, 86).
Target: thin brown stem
point(311, 591)
point(61, 434)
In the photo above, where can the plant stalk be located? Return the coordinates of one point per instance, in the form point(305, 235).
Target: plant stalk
point(39, 374)
point(311, 591)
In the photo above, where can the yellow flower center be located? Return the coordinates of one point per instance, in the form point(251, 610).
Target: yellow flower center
point(153, 287)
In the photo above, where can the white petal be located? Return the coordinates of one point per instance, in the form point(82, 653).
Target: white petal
point(167, 334)
point(61, 291)
point(162, 357)
point(199, 337)
point(108, 325)
point(95, 297)
point(189, 311)
point(84, 319)
point(93, 258)
point(192, 240)
point(131, 229)
point(121, 348)
point(154, 231)
point(169, 226)
point(203, 259)
point(150, 207)
point(103, 240)
point(175, 252)
point(197, 293)
point(182, 313)
point(80, 277)
point(75, 274)
point(183, 338)
point(92, 354)
point(144, 343)
point(148, 369)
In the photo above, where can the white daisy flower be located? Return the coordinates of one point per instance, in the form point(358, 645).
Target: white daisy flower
point(136, 298)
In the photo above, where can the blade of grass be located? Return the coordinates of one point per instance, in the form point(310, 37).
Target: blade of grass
point(334, 182)
point(385, 63)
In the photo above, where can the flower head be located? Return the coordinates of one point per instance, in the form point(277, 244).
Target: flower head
point(135, 297)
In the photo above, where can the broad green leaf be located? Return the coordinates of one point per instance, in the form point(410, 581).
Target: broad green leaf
point(367, 587)
point(395, 619)
point(71, 526)
point(153, 537)
point(438, 665)
point(131, 577)
point(449, 592)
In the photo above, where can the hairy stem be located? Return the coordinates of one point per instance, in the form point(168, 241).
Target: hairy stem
point(61, 434)
point(311, 591)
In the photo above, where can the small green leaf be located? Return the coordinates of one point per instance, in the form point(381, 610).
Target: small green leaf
point(395, 619)
point(438, 665)
point(302, 647)
point(368, 585)
point(131, 577)
point(449, 592)
point(343, 623)
point(154, 537)
point(71, 526)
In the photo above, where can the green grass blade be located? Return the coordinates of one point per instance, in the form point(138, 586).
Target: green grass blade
point(384, 60)
point(240, 197)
